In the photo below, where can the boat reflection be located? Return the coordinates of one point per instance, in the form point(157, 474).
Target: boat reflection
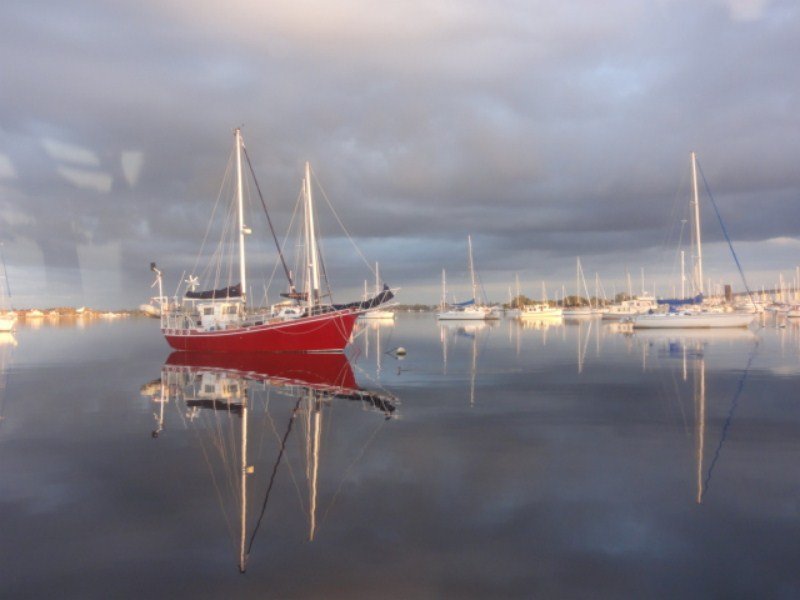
point(541, 323)
point(695, 336)
point(451, 333)
point(7, 342)
point(690, 349)
point(373, 332)
point(217, 394)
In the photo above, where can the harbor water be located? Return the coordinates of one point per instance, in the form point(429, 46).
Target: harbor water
point(507, 459)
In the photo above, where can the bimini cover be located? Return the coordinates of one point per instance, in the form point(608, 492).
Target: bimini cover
point(384, 296)
point(232, 291)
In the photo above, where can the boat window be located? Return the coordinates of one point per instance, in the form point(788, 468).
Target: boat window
point(208, 310)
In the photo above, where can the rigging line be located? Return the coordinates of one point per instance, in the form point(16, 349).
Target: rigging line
point(225, 179)
point(263, 428)
point(269, 221)
point(272, 476)
point(729, 419)
point(288, 462)
point(349, 468)
point(215, 483)
point(725, 231)
point(338, 220)
point(678, 205)
point(285, 238)
point(322, 266)
point(675, 263)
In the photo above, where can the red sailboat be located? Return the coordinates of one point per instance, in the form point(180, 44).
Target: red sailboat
point(222, 320)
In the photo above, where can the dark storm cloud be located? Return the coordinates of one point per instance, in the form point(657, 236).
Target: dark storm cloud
point(545, 129)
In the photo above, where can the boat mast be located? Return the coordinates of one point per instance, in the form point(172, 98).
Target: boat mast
point(698, 274)
point(683, 275)
point(630, 285)
point(472, 270)
point(444, 291)
point(240, 200)
point(311, 242)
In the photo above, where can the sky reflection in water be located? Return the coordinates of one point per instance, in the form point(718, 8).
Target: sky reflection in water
point(503, 460)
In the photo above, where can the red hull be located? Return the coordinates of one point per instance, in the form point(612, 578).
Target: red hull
point(325, 333)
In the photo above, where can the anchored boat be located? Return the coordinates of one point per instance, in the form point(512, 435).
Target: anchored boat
point(698, 316)
point(223, 319)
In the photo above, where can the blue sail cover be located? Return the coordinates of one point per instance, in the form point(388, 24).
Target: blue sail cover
point(466, 303)
point(673, 302)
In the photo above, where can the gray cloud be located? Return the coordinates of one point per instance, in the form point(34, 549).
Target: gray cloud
point(545, 129)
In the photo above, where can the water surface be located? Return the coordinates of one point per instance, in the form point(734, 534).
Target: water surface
point(511, 460)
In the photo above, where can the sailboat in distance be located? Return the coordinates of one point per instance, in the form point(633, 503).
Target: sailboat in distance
point(8, 317)
point(470, 310)
point(694, 317)
point(224, 318)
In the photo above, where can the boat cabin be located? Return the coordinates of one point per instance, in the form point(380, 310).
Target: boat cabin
point(219, 315)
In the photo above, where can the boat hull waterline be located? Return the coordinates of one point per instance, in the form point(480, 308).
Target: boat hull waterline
point(692, 321)
point(324, 333)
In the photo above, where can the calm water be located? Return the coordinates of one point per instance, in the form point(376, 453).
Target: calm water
point(499, 461)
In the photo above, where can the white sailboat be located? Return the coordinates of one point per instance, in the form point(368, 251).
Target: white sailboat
point(469, 310)
point(631, 307)
point(8, 317)
point(514, 308)
point(694, 317)
point(541, 309)
point(579, 311)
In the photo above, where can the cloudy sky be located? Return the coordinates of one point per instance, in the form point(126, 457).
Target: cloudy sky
point(546, 129)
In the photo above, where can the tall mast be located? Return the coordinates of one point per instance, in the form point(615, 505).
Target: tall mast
point(683, 274)
point(444, 291)
point(698, 274)
point(377, 279)
point(311, 242)
point(578, 281)
point(240, 201)
point(472, 270)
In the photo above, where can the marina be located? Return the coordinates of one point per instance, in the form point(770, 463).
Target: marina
point(432, 300)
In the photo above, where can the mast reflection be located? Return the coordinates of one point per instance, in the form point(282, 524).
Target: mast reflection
point(690, 348)
point(7, 342)
point(473, 332)
point(218, 394)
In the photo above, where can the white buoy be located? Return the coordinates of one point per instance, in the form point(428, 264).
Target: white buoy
point(400, 351)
